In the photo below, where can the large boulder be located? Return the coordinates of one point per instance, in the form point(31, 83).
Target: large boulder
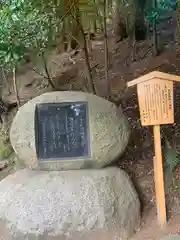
point(68, 205)
point(109, 132)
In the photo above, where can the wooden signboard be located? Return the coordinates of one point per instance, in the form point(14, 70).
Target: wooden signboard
point(156, 104)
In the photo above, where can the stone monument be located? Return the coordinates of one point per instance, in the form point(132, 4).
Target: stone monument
point(72, 135)
point(92, 132)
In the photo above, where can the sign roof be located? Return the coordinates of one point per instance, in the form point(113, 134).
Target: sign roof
point(153, 75)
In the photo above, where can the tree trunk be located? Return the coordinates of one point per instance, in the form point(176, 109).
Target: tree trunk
point(155, 37)
point(89, 42)
point(106, 52)
point(128, 17)
point(71, 27)
point(178, 28)
point(80, 30)
point(4, 77)
point(119, 27)
point(87, 64)
point(140, 25)
point(47, 72)
point(15, 87)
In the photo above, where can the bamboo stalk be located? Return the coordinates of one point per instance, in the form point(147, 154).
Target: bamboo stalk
point(89, 42)
point(106, 52)
point(86, 55)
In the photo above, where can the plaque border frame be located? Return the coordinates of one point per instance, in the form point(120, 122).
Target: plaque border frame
point(61, 159)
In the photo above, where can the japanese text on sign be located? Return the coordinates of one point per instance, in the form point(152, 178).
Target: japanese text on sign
point(156, 102)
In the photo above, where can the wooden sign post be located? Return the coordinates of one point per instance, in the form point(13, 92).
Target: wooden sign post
point(155, 97)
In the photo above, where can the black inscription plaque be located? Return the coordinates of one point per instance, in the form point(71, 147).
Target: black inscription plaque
point(61, 130)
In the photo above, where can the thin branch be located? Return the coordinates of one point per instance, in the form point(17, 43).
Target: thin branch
point(40, 74)
point(69, 11)
point(78, 42)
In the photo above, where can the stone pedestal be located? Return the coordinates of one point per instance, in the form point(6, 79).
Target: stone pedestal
point(176, 237)
point(68, 205)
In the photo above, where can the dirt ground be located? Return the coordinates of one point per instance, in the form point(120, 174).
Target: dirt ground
point(138, 158)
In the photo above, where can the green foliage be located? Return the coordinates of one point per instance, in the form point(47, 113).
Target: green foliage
point(154, 11)
point(178, 3)
point(5, 146)
point(24, 25)
point(172, 156)
point(6, 151)
point(11, 49)
point(28, 25)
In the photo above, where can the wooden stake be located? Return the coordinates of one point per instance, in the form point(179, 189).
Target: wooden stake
point(159, 178)
point(156, 105)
